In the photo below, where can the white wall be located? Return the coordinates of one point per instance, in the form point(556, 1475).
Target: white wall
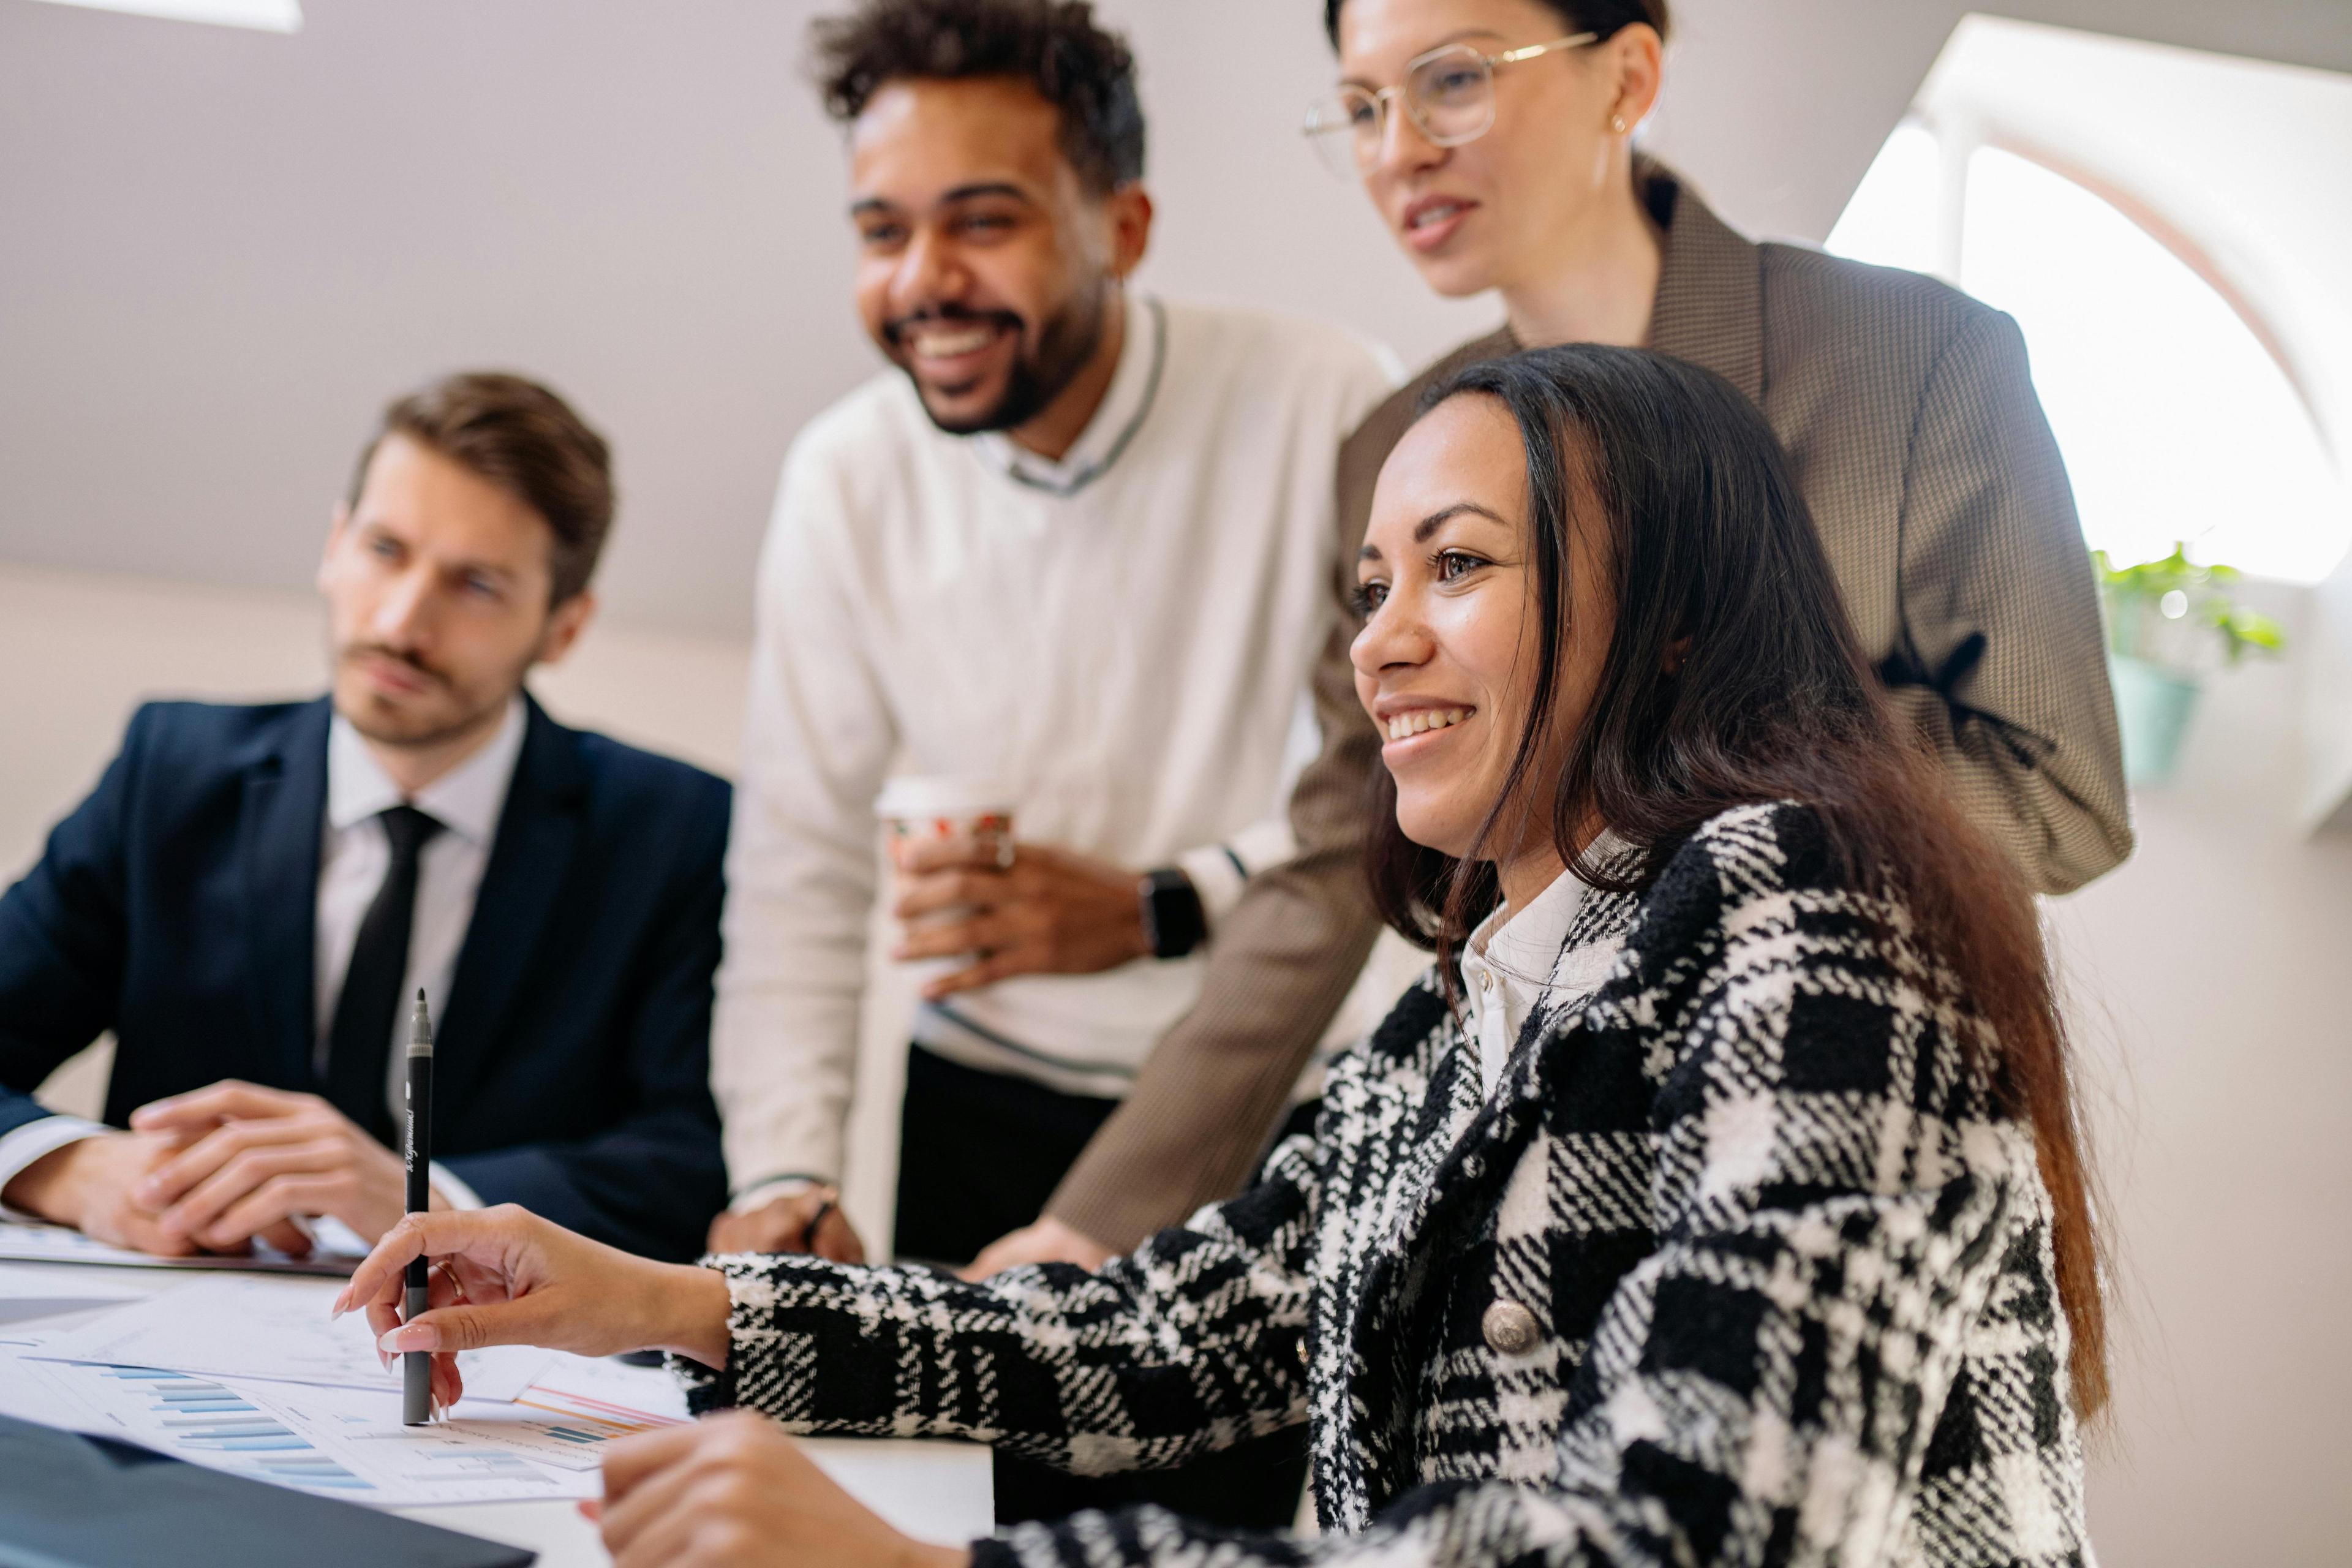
point(223, 250)
point(2210, 1005)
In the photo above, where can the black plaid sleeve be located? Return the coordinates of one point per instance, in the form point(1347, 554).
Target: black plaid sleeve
point(1189, 1345)
point(1835, 1211)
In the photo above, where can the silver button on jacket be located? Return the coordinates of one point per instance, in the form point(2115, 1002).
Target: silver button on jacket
point(1510, 1329)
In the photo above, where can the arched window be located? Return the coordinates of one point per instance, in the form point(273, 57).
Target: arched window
point(2177, 420)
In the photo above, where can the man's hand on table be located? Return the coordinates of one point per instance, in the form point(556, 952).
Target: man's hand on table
point(1047, 1241)
point(733, 1491)
point(809, 1220)
point(253, 1159)
point(1051, 911)
point(88, 1184)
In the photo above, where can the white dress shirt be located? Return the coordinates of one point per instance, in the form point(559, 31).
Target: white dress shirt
point(353, 855)
point(356, 853)
point(1514, 962)
point(1119, 640)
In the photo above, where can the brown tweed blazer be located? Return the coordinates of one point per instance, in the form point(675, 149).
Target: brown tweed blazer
point(1916, 437)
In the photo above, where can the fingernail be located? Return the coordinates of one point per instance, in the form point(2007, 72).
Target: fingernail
point(410, 1337)
point(148, 1192)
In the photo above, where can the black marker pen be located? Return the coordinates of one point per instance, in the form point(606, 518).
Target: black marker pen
point(417, 1152)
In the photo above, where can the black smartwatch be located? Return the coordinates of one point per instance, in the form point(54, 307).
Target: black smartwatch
point(1172, 922)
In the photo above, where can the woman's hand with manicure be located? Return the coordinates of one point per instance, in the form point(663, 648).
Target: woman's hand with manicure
point(504, 1275)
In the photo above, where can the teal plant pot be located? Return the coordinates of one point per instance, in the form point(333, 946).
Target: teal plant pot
point(2153, 706)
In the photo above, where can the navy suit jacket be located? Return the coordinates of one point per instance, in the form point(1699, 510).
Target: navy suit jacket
point(176, 907)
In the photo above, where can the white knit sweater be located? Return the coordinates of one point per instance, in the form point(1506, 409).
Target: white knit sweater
point(1122, 640)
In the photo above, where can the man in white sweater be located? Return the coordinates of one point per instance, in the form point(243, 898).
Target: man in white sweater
point(1078, 543)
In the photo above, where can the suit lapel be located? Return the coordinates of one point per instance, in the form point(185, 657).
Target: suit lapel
point(281, 820)
point(538, 832)
point(1710, 305)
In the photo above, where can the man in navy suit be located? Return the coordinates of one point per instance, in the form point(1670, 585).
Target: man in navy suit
point(253, 895)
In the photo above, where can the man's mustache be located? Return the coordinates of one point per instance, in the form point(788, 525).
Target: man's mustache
point(894, 330)
point(398, 656)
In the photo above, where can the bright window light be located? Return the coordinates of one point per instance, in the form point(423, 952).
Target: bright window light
point(1892, 220)
point(268, 15)
point(2175, 422)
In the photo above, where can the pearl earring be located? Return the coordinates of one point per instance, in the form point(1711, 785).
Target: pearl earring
point(1617, 124)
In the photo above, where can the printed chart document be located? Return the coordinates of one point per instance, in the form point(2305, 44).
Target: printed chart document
point(200, 1370)
point(244, 1326)
point(331, 1442)
point(577, 1407)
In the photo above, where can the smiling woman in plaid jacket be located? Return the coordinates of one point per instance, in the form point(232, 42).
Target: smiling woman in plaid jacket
point(1715, 1200)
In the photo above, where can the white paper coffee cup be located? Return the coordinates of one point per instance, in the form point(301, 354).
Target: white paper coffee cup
point(937, 806)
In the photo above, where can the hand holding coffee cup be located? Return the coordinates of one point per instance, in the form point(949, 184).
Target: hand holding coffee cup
point(979, 907)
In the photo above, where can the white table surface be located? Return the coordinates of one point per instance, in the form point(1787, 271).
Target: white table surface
point(934, 1491)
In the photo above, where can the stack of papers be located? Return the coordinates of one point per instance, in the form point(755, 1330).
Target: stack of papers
point(25, 1243)
point(247, 1374)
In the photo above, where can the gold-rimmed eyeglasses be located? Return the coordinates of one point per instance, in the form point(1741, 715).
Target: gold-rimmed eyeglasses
point(1449, 93)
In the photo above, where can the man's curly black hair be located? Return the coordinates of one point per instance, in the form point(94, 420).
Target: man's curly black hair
point(1055, 46)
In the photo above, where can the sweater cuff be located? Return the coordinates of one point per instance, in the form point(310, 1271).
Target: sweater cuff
point(1217, 877)
point(1221, 872)
point(713, 1388)
point(767, 1190)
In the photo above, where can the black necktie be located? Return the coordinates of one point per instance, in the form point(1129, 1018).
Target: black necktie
point(359, 1047)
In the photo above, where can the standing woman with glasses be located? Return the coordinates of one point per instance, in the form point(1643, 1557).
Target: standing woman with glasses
point(1496, 139)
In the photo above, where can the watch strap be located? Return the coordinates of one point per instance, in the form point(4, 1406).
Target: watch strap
point(1173, 922)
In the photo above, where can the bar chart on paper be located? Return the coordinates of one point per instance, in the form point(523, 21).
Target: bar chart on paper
point(339, 1443)
point(199, 1420)
point(569, 1416)
point(443, 1464)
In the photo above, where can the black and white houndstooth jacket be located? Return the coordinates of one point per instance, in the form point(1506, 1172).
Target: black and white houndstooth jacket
point(1736, 1265)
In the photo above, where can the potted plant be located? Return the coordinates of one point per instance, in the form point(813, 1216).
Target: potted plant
point(2170, 622)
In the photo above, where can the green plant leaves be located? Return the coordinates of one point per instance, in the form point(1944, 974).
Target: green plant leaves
point(2135, 599)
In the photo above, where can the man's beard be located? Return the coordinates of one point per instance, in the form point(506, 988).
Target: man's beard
point(422, 731)
point(1039, 376)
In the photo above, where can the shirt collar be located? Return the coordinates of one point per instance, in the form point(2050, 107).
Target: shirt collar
point(1521, 946)
point(1524, 949)
point(1134, 385)
point(466, 800)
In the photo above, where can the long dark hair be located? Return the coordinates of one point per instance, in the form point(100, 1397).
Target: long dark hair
point(1733, 678)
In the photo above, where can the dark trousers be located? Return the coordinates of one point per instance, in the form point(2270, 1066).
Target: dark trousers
point(979, 1154)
